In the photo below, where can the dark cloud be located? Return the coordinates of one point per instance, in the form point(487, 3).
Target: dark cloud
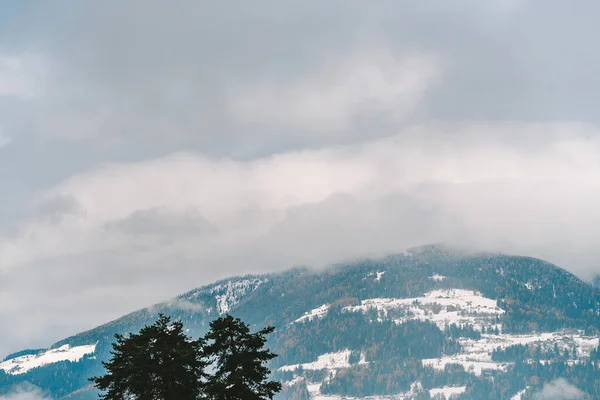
point(163, 222)
point(163, 76)
point(56, 207)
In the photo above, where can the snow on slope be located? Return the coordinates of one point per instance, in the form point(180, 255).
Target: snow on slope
point(230, 293)
point(448, 391)
point(443, 307)
point(520, 394)
point(564, 339)
point(318, 312)
point(437, 278)
point(325, 361)
point(469, 364)
point(377, 275)
point(476, 355)
point(23, 364)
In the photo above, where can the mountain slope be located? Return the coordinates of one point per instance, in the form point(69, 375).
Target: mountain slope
point(430, 321)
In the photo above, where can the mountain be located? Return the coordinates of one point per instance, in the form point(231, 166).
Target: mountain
point(596, 281)
point(432, 321)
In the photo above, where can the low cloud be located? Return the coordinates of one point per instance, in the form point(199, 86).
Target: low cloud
point(175, 304)
point(146, 162)
point(185, 305)
point(560, 389)
point(24, 396)
point(133, 234)
point(25, 392)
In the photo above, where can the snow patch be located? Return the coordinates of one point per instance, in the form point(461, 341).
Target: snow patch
point(318, 312)
point(379, 275)
point(472, 366)
point(437, 278)
point(476, 355)
point(24, 364)
point(448, 391)
point(443, 307)
point(520, 394)
point(565, 340)
point(230, 293)
point(325, 361)
point(296, 380)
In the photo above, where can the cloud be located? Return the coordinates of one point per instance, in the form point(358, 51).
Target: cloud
point(260, 79)
point(162, 222)
point(146, 161)
point(19, 74)
point(185, 305)
point(560, 389)
point(24, 396)
point(4, 140)
point(54, 208)
point(126, 235)
point(25, 392)
point(373, 85)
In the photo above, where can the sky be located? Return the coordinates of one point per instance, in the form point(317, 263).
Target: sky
point(149, 148)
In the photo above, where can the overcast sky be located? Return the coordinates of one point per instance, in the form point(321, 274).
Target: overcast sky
point(150, 147)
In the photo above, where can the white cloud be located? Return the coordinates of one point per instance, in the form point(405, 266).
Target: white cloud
point(274, 79)
point(4, 140)
point(368, 84)
point(185, 305)
point(127, 235)
point(19, 75)
point(221, 200)
point(25, 393)
point(24, 396)
point(560, 389)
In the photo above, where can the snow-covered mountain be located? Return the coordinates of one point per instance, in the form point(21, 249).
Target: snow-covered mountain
point(431, 322)
point(25, 363)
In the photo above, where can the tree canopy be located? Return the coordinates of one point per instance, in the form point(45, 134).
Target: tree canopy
point(162, 363)
point(238, 357)
point(159, 362)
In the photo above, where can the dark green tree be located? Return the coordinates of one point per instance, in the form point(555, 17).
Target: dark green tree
point(299, 391)
point(238, 357)
point(158, 363)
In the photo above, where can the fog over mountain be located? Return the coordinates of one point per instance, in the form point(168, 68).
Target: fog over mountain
point(147, 149)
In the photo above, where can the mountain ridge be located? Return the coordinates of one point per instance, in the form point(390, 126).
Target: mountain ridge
point(440, 300)
point(426, 252)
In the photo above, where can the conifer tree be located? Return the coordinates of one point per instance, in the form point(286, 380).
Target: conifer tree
point(238, 357)
point(158, 363)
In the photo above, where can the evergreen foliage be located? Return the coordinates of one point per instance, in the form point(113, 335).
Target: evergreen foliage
point(159, 362)
point(162, 363)
point(297, 391)
point(238, 357)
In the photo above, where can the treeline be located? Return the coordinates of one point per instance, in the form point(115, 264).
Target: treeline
point(536, 353)
point(396, 375)
point(378, 340)
point(393, 375)
point(584, 375)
